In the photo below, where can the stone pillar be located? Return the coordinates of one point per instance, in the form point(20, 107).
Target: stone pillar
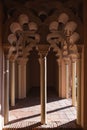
point(73, 83)
point(12, 83)
point(1, 71)
point(22, 78)
point(84, 92)
point(67, 77)
point(59, 78)
point(79, 90)
point(1, 20)
point(82, 87)
point(43, 49)
point(63, 91)
point(6, 91)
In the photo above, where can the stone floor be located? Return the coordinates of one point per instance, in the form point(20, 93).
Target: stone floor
point(27, 112)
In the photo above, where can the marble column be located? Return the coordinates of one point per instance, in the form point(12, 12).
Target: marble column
point(79, 90)
point(74, 82)
point(67, 77)
point(13, 83)
point(6, 91)
point(59, 78)
point(22, 78)
point(43, 49)
point(63, 91)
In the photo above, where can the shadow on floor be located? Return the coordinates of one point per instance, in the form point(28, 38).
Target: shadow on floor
point(34, 98)
point(52, 125)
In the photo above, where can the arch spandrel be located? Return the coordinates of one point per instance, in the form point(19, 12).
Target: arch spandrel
point(52, 12)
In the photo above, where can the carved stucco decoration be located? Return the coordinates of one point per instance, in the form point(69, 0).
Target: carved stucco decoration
point(22, 41)
point(57, 25)
point(23, 19)
point(43, 50)
point(70, 27)
point(53, 27)
point(63, 18)
point(64, 39)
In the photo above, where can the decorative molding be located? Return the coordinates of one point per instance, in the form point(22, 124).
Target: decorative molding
point(55, 27)
point(23, 40)
point(66, 60)
point(22, 61)
point(43, 50)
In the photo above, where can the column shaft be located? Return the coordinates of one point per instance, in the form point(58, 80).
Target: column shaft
point(1, 70)
point(22, 81)
point(43, 84)
point(67, 80)
point(79, 91)
point(19, 82)
point(6, 92)
point(12, 83)
point(74, 83)
point(22, 78)
point(59, 78)
point(63, 87)
point(82, 87)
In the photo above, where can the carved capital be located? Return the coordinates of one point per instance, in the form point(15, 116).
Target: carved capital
point(79, 47)
point(59, 61)
point(43, 50)
point(66, 60)
point(79, 56)
point(22, 61)
point(12, 58)
point(73, 59)
point(6, 48)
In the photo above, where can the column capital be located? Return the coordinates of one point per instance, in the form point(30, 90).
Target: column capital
point(12, 58)
point(58, 61)
point(79, 56)
point(73, 60)
point(6, 48)
point(66, 60)
point(79, 48)
point(74, 57)
point(43, 50)
point(22, 61)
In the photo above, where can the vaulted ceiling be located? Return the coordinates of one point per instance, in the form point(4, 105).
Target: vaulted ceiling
point(75, 6)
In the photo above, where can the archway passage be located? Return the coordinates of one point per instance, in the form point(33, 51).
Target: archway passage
point(60, 35)
point(33, 73)
point(60, 112)
point(52, 73)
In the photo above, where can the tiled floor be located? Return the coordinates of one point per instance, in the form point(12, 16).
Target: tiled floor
point(28, 110)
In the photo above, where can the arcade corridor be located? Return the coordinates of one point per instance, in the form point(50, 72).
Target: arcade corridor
point(60, 112)
point(43, 64)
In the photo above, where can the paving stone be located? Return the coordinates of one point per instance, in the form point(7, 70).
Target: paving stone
point(27, 113)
